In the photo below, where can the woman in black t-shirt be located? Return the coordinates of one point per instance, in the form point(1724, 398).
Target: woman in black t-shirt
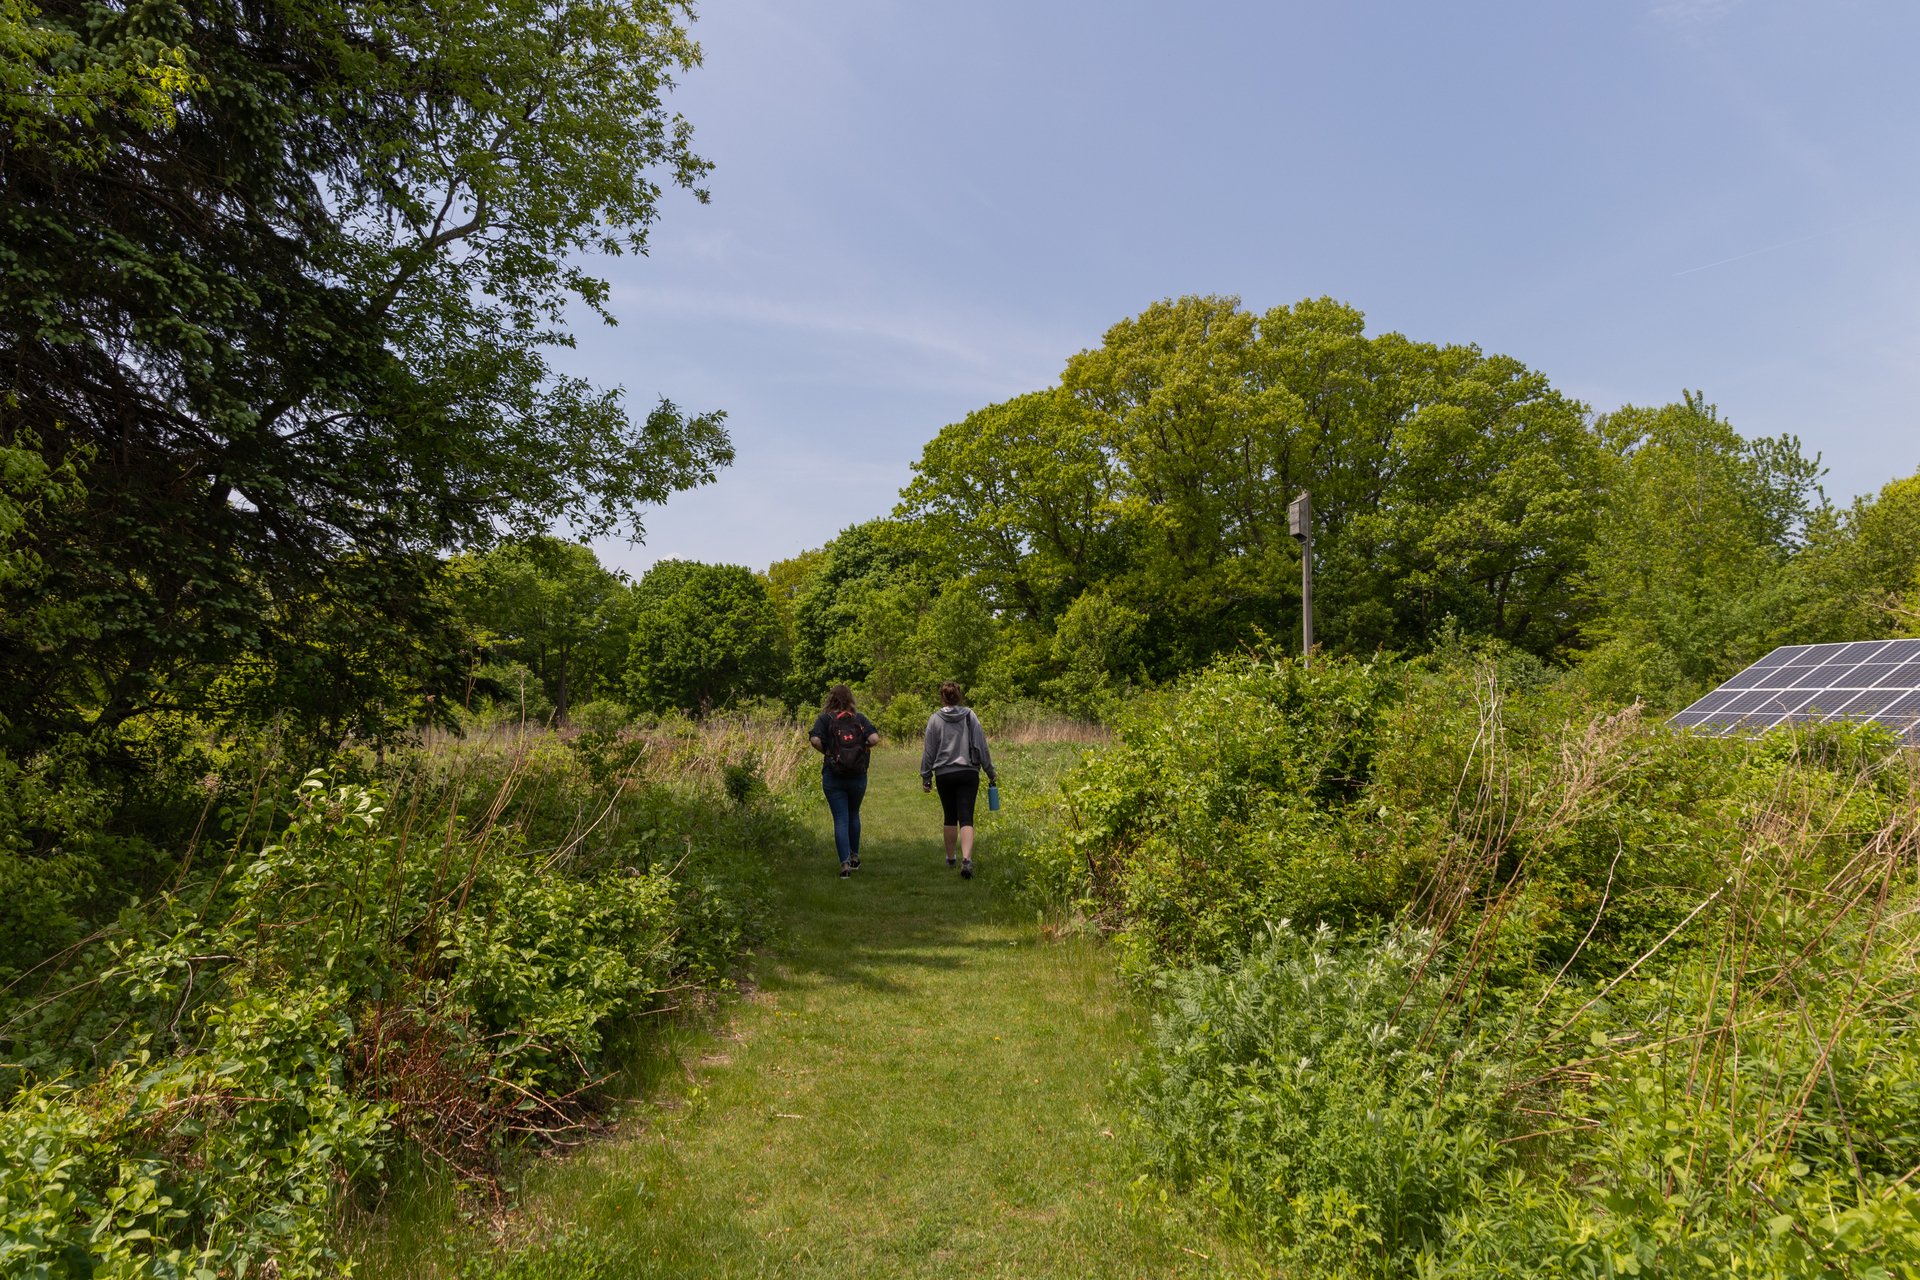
point(846, 738)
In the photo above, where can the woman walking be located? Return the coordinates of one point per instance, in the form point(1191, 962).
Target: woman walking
point(952, 757)
point(846, 738)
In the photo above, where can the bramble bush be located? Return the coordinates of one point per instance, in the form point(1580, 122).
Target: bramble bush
point(423, 963)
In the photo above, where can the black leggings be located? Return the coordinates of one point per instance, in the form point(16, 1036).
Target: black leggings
point(958, 790)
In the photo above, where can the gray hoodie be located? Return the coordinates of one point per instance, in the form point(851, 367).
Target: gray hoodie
point(955, 741)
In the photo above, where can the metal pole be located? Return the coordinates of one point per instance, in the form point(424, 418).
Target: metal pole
point(1300, 524)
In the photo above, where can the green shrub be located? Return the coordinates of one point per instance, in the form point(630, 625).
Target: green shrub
point(1329, 1097)
point(742, 779)
point(1588, 996)
point(1786, 1149)
point(447, 971)
point(904, 719)
point(1225, 803)
point(223, 1161)
point(602, 715)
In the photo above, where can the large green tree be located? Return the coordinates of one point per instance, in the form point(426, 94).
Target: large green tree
point(1149, 491)
point(279, 296)
point(705, 636)
point(1023, 495)
point(1859, 576)
point(1688, 573)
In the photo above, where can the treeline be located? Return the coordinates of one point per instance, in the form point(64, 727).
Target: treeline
point(1124, 528)
point(1127, 525)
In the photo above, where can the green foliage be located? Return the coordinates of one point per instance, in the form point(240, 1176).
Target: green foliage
point(281, 283)
point(704, 637)
point(904, 720)
point(1226, 802)
point(1328, 1097)
point(853, 608)
point(195, 1093)
point(509, 693)
point(1610, 999)
point(1096, 650)
point(549, 606)
point(1689, 563)
point(221, 1161)
point(602, 715)
point(742, 779)
point(1449, 483)
point(1787, 1151)
point(1023, 495)
point(59, 91)
point(1859, 576)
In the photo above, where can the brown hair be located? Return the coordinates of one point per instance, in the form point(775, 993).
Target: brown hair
point(950, 694)
point(839, 698)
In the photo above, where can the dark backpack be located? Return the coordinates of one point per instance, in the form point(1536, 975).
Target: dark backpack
point(846, 744)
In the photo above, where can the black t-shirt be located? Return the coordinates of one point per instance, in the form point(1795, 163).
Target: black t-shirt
point(823, 730)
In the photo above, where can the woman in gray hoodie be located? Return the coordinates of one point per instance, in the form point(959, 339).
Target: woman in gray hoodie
point(952, 758)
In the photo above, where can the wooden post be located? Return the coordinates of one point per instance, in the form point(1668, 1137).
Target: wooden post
point(1300, 525)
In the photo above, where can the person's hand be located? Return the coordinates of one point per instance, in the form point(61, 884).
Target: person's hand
point(925, 785)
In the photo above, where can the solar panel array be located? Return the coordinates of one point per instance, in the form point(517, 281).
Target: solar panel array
point(1876, 680)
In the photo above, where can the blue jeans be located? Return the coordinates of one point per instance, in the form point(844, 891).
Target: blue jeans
point(844, 794)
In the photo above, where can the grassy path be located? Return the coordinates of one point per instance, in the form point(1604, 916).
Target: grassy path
point(918, 1087)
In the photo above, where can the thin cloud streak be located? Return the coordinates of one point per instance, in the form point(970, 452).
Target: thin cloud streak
point(1693, 12)
point(1772, 248)
point(895, 329)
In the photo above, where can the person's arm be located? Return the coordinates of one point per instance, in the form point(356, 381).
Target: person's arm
point(928, 740)
point(813, 736)
point(873, 734)
point(986, 757)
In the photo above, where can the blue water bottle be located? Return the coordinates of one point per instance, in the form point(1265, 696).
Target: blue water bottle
point(993, 797)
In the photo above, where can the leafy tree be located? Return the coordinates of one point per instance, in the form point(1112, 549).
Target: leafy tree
point(59, 87)
point(1022, 495)
point(1688, 570)
point(704, 636)
point(788, 580)
point(280, 281)
point(550, 605)
point(859, 604)
point(1859, 576)
point(1096, 653)
point(1205, 471)
point(370, 652)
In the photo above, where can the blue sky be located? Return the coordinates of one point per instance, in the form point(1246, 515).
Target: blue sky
point(920, 209)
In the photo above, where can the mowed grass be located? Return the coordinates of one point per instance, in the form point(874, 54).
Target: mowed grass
point(920, 1084)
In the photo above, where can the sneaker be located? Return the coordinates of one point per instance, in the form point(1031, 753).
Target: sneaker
point(950, 860)
point(966, 869)
point(854, 862)
point(845, 871)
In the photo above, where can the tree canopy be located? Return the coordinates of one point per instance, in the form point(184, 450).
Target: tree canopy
point(279, 283)
point(705, 636)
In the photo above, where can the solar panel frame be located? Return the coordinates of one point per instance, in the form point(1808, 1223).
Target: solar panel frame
point(1849, 680)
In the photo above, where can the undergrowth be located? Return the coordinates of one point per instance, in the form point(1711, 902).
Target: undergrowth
point(1458, 975)
point(434, 956)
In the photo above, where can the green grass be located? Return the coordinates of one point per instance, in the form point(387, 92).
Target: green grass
point(920, 1084)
